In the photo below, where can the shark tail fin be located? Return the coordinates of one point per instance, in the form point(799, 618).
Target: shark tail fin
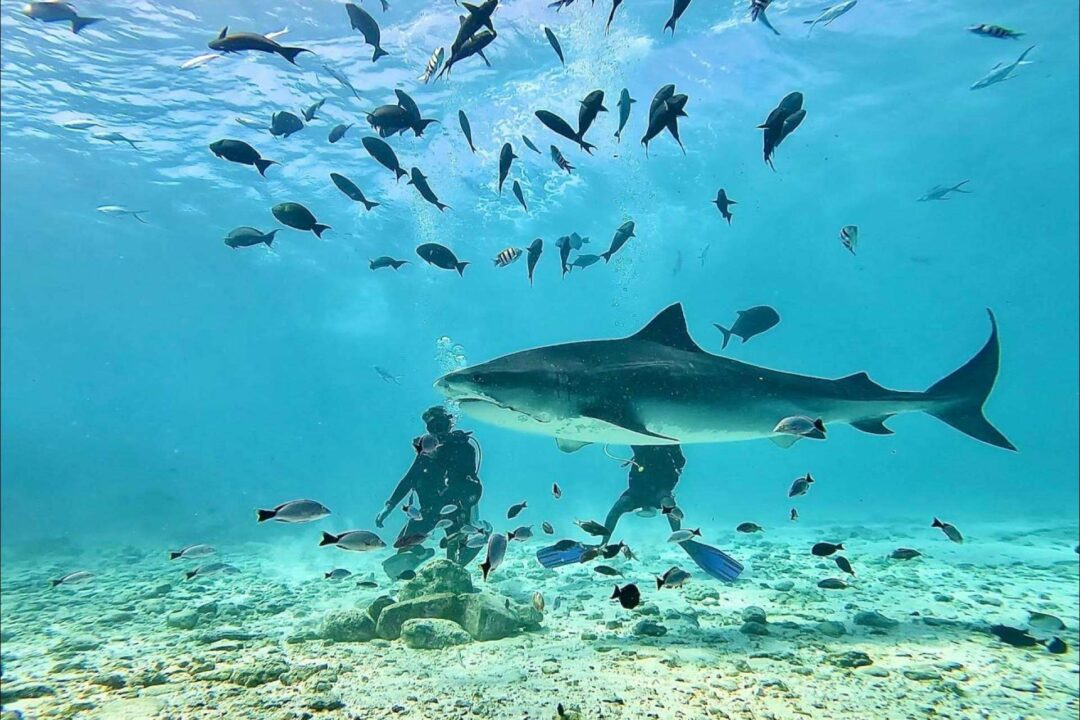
point(962, 394)
point(290, 53)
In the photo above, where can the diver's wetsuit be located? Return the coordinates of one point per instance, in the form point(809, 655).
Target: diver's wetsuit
point(654, 472)
point(445, 476)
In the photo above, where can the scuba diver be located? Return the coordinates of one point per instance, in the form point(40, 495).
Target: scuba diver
point(654, 472)
point(445, 472)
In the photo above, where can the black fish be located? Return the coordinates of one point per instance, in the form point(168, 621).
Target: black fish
point(1013, 636)
point(676, 12)
point(238, 151)
point(774, 125)
point(611, 15)
point(419, 181)
point(606, 570)
point(417, 123)
point(591, 106)
point(950, 530)
point(557, 125)
point(298, 217)
point(441, 257)
point(625, 101)
point(238, 42)
point(529, 144)
point(622, 235)
point(843, 564)
point(515, 510)
point(338, 132)
point(284, 124)
point(750, 322)
point(610, 551)
point(406, 575)
point(563, 244)
point(310, 110)
point(723, 202)
point(385, 261)
point(360, 20)
point(389, 120)
point(384, 154)
point(794, 514)
point(904, 554)
point(473, 46)
point(350, 189)
point(748, 527)
point(516, 189)
point(466, 128)
point(560, 160)
point(556, 491)
point(824, 549)
point(249, 236)
point(506, 159)
point(664, 114)
point(546, 527)
point(554, 44)
point(476, 17)
point(628, 596)
point(536, 249)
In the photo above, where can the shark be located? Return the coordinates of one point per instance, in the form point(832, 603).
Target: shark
point(659, 387)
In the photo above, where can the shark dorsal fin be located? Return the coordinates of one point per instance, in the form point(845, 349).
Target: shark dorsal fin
point(859, 381)
point(669, 328)
point(223, 33)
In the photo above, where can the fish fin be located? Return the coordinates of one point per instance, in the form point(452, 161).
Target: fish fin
point(174, 555)
point(264, 515)
point(859, 381)
point(78, 23)
point(483, 57)
point(624, 417)
point(223, 33)
point(570, 446)
point(290, 53)
point(727, 334)
point(962, 394)
point(319, 229)
point(460, 267)
point(269, 238)
point(262, 164)
point(668, 328)
point(784, 440)
point(874, 426)
point(327, 539)
point(379, 52)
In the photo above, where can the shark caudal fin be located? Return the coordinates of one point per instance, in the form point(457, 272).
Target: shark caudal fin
point(963, 393)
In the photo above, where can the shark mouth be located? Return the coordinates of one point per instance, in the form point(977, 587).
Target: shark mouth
point(464, 400)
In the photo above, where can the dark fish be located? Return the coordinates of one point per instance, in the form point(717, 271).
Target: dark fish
point(410, 540)
point(440, 257)
point(625, 101)
point(565, 545)
point(310, 110)
point(515, 510)
point(749, 527)
point(606, 570)
point(1013, 636)
point(750, 322)
point(591, 106)
point(238, 42)
point(584, 261)
point(295, 511)
point(350, 189)
point(363, 22)
point(506, 159)
point(757, 13)
point(384, 154)
point(665, 111)
point(610, 551)
point(385, 261)
point(774, 125)
point(516, 189)
point(723, 202)
point(507, 256)
point(628, 596)
point(794, 514)
point(522, 533)
point(284, 124)
point(406, 575)
point(675, 577)
point(536, 249)
point(800, 486)
point(339, 132)
point(592, 527)
point(559, 126)
point(832, 584)
point(420, 182)
point(55, 11)
point(554, 44)
point(367, 584)
point(496, 551)
point(611, 15)
point(904, 554)
point(384, 374)
point(622, 235)
point(389, 120)
point(994, 31)
point(473, 46)
point(337, 574)
point(412, 110)
point(529, 144)
point(676, 12)
point(824, 549)
point(556, 491)
point(560, 160)
point(466, 128)
point(475, 17)
point(950, 530)
point(298, 217)
point(249, 236)
point(591, 553)
point(843, 564)
point(238, 151)
point(563, 244)
point(1057, 646)
point(546, 527)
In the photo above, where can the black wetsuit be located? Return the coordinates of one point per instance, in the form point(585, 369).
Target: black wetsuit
point(445, 476)
point(654, 473)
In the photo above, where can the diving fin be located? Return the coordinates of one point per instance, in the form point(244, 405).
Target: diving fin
point(715, 563)
point(561, 553)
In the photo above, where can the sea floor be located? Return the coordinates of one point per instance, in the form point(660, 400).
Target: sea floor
point(906, 639)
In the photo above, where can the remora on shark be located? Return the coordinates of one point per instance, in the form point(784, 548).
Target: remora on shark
point(658, 387)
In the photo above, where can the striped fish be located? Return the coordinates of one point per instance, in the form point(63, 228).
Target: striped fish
point(995, 31)
point(849, 236)
point(507, 257)
point(560, 160)
point(432, 66)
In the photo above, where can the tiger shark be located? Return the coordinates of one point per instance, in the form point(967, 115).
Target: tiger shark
point(658, 387)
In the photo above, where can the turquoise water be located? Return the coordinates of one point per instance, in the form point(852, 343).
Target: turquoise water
point(158, 386)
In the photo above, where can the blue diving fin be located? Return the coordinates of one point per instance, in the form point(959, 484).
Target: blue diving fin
point(564, 552)
point(716, 563)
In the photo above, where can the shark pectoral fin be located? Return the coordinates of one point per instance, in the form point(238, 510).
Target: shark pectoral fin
point(569, 446)
point(874, 426)
point(626, 419)
point(785, 441)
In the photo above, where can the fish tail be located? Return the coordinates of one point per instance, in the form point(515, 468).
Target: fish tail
point(400, 173)
point(936, 523)
point(460, 267)
point(78, 23)
point(370, 204)
point(264, 515)
point(379, 52)
point(290, 53)
point(191, 573)
point(269, 238)
point(54, 583)
point(957, 186)
point(174, 555)
point(327, 539)
point(670, 24)
point(443, 206)
point(659, 583)
point(618, 135)
point(262, 164)
point(319, 229)
point(587, 147)
point(727, 335)
point(959, 397)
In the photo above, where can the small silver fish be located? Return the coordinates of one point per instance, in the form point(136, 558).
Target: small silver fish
point(683, 535)
point(522, 533)
point(192, 551)
point(800, 486)
point(115, 137)
point(79, 124)
point(950, 530)
point(73, 578)
point(832, 584)
point(507, 257)
point(675, 577)
point(337, 574)
point(802, 426)
point(120, 211)
point(212, 569)
point(849, 236)
point(496, 551)
point(432, 67)
point(444, 523)
point(356, 540)
point(538, 601)
point(295, 511)
point(1044, 622)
